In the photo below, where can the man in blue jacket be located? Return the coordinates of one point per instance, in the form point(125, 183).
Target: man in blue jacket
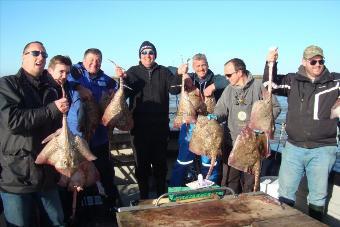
point(87, 81)
point(312, 145)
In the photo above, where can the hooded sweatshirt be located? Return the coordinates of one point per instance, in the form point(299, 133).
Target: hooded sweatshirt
point(236, 103)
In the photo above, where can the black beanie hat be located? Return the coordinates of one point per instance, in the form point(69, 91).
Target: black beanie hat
point(147, 45)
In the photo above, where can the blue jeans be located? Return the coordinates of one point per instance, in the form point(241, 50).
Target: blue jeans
point(316, 163)
point(18, 208)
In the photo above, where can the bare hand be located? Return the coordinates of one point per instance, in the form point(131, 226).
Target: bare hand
point(120, 72)
point(84, 93)
point(183, 69)
point(62, 105)
point(273, 55)
point(209, 91)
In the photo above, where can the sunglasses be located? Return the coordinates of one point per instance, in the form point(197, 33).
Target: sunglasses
point(313, 62)
point(150, 52)
point(229, 74)
point(36, 53)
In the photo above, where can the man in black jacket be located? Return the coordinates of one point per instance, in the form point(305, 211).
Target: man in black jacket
point(28, 114)
point(149, 102)
point(312, 145)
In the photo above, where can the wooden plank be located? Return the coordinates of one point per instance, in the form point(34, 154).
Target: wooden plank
point(299, 220)
point(240, 211)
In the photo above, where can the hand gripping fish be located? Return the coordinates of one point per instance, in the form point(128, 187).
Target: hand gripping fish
point(64, 150)
point(207, 139)
point(117, 113)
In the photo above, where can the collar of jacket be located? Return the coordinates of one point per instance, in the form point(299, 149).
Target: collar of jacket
point(152, 68)
point(323, 78)
point(250, 80)
point(80, 65)
point(207, 77)
point(37, 82)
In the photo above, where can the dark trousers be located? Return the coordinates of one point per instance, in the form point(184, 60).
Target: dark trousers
point(105, 168)
point(239, 181)
point(150, 158)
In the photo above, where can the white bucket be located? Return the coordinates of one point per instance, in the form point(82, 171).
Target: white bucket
point(270, 185)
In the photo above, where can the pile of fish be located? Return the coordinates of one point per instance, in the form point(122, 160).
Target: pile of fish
point(117, 113)
point(250, 147)
point(207, 139)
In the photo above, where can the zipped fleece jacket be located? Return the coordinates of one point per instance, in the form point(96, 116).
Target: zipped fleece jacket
point(209, 79)
point(230, 108)
point(27, 116)
point(309, 106)
point(149, 97)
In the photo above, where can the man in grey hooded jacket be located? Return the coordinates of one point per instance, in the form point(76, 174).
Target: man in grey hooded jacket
point(234, 107)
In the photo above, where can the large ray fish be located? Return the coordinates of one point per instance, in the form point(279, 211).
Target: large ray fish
point(117, 113)
point(247, 152)
point(186, 112)
point(261, 117)
point(64, 150)
point(207, 139)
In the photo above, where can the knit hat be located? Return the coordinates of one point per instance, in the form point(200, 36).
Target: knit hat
point(312, 51)
point(147, 45)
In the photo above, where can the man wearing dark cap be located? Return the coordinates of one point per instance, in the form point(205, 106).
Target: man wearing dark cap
point(149, 102)
point(312, 145)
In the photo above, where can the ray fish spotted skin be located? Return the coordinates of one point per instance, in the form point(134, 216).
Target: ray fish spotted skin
point(207, 139)
point(186, 112)
point(247, 152)
point(64, 150)
point(117, 113)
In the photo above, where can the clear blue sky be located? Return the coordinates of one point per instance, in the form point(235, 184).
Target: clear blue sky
point(179, 29)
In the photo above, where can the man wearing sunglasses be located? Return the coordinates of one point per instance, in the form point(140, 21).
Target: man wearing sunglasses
point(149, 102)
point(312, 145)
point(28, 114)
point(235, 107)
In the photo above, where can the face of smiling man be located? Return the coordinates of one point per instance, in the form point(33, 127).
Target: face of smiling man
point(34, 65)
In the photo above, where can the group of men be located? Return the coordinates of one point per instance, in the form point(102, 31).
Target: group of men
point(32, 105)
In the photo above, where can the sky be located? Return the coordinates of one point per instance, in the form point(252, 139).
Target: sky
point(179, 29)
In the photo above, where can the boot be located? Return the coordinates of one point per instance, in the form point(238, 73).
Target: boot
point(316, 212)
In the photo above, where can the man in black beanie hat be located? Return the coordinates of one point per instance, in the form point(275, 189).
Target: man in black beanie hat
point(147, 45)
point(149, 101)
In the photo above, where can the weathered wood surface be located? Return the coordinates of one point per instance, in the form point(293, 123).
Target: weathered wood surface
point(245, 210)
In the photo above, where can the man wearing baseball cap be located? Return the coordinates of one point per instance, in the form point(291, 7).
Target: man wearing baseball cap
point(311, 146)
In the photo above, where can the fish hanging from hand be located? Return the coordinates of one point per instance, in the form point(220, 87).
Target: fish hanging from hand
point(117, 113)
point(186, 112)
point(207, 138)
point(64, 150)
